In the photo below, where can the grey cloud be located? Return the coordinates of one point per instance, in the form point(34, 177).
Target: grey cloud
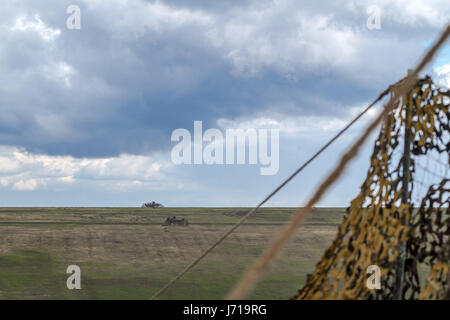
point(133, 74)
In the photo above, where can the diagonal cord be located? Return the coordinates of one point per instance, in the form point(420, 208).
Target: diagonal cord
point(255, 271)
point(285, 182)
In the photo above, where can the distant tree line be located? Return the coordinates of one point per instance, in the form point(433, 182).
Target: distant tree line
point(152, 204)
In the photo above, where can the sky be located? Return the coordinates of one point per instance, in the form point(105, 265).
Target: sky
point(87, 114)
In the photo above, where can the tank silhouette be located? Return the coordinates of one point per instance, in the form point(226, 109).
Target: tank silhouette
point(173, 221)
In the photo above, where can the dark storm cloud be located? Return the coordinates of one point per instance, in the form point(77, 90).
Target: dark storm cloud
point(137, 70)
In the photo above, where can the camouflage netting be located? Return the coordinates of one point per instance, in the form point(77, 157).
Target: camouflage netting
point(372, 231)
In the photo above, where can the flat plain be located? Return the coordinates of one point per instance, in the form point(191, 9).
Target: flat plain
point(126, 253)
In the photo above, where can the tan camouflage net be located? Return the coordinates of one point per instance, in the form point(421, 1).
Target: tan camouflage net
point(372, 232)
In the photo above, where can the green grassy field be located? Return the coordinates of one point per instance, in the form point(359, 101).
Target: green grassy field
point(125, 253)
